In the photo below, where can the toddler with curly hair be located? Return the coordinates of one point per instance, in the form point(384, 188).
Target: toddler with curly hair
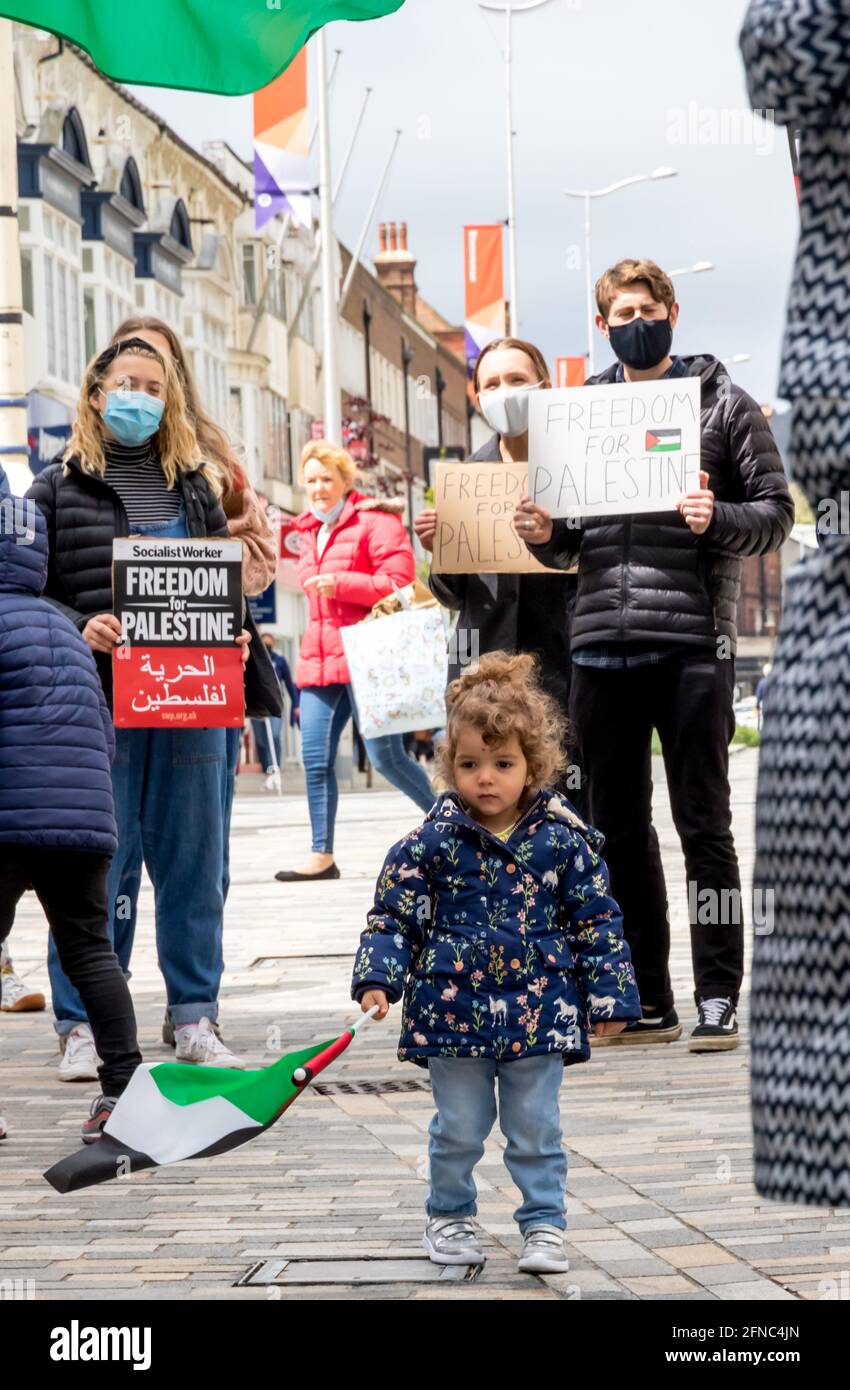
point(493, 921)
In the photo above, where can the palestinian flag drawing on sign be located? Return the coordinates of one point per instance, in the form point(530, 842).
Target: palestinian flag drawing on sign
point(171, 1111)
point(663, 441)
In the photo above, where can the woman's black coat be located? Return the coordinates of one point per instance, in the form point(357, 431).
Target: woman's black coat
point(84, 516)
point(511, 613)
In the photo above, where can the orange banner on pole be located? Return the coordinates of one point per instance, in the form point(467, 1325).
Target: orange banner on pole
point(485, 317)
point(569, 371)
point(282, 146)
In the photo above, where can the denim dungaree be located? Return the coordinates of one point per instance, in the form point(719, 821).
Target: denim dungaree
point(169, 789)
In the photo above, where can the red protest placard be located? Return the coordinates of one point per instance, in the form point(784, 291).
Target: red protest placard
point(180, 607)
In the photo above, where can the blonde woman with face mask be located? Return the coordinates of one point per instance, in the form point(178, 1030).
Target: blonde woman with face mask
point(133, 466)
point(354, 550)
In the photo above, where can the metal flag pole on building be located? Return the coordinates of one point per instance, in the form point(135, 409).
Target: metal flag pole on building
point(317, 252)
point(352, 146)
point(268, 272)
point(330, 286)
point(370, 217)
point(14, 449)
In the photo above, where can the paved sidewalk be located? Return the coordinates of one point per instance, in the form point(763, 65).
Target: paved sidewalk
point(329, 1203)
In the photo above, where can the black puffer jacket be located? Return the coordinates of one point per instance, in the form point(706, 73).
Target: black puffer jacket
point(84, 516)
point(511, 613)
point(647, 578)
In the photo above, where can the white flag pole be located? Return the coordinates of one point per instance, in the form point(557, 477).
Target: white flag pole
point(304, 1074)
point(330, 286)
point(370, 216)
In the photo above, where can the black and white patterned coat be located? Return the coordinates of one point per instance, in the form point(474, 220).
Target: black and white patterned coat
point(797, 55)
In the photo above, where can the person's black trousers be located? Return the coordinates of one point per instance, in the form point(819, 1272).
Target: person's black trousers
point(688, 698)
point(71, 887)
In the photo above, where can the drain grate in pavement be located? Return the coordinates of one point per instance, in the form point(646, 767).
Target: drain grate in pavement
point(389, 1086)
point(414, 1269)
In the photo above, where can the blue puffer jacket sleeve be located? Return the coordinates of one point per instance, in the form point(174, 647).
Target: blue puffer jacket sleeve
point(594, 925)
point(396, 926)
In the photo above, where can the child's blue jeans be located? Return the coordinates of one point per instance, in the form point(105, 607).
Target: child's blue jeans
point(464, 1090)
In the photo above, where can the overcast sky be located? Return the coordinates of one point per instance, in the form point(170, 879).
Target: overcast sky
point(604, 89)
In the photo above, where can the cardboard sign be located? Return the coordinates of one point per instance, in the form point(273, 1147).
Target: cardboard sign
point(610, 450)
point(476, 504)
point(179, 603)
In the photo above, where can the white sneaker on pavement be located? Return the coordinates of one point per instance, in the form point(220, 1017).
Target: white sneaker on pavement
point(79, 1058)
point(543, 1251)
point(3, 1130)
point(452, 1240)
point(17, 998)
point(198, 1044)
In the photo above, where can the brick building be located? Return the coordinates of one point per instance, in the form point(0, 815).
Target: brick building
point(404, 383)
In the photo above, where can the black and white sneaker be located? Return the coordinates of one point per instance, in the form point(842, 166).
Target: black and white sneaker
point(652, 1028)
point(717, 1029)
point(101, 1109)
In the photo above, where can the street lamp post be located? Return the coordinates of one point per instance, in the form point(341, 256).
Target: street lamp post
point(698, 268)
point(586, 194)
point(509, 8)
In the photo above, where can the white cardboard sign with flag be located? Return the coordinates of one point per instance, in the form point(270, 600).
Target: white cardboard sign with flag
point(399, 668)
point(614, 449)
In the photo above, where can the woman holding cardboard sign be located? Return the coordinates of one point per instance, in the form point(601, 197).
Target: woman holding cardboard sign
point(354, 552)
point(133, 466)
point(509, 612)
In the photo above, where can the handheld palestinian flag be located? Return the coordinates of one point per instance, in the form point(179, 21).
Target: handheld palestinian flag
point(170, 1112)
point(663, 441)
point(226, 46)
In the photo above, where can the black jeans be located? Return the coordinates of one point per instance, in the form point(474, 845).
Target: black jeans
point(71, 887)
point(688, 698)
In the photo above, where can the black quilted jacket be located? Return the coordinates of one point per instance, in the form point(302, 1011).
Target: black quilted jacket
point(84, 516)
point(647, 578)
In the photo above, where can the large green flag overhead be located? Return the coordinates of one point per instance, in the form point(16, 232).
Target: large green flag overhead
point(226, 46)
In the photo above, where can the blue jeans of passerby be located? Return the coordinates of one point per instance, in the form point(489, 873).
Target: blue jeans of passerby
point(325, 711)
point(232, 739)
point(127, 896)
point(464, 1090)
point(170, 806)
point(128, 889)
point(261, 737)
point(167, 786)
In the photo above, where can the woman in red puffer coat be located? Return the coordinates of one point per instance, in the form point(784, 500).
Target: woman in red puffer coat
point(354, 550)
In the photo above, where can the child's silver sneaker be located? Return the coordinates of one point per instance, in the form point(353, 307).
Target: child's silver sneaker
point(543, 1251)
point(452, 1240)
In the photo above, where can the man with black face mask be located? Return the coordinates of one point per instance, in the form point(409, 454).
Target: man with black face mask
point(653, 646)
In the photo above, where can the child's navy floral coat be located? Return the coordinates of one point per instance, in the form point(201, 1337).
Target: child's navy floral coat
point(502, 950)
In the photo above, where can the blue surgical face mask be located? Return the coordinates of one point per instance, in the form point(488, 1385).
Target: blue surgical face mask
point(327, 518)
point(132, 416)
